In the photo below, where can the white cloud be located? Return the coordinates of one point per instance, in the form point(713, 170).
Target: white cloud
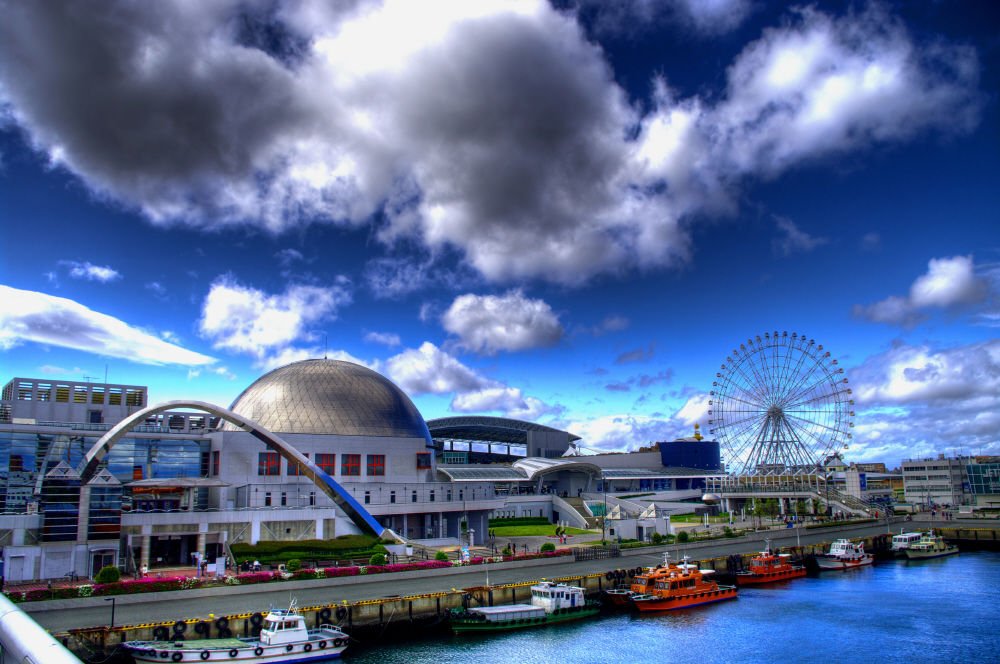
point(915, 401)
point(247, 320)
point(430, 370)
point(511, 322)
point(493, 130)
point(389, 339)
point(704, 17)
point(948, 282)
point(91, 272)
point(158, 289)
point(793, 239)
point(29, 316)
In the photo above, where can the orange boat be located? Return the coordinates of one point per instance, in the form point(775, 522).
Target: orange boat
point(642, 583)
point(680, 587)
point(768, 567)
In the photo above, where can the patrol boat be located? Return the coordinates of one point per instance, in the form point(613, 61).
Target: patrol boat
point(550, 603)
point(283, 639)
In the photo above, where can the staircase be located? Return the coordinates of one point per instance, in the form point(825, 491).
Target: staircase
point(578, 505)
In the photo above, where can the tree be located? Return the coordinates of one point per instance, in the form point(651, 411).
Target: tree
point(376, 559)
point(547, 546)
point(109, 574)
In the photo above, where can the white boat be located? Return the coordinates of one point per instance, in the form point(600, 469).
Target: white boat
point(283, 639)
point(550, 603)
point(903, 541)
point(844, 554)
point(930, 546)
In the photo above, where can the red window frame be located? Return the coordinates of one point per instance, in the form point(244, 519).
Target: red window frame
point(350, 465)
point(327, 463)
point(268, 464)
point(423, 460)
point(215, 463)
point(376, 465)
point(294, 469)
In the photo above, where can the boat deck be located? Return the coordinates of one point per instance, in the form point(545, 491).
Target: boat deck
point(199, 644)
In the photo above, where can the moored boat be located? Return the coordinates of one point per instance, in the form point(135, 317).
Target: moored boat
point(767, 567)
point(683, 586)
point(283, 639)
point(903, 541)
point(551, 603)
point(844, 554)
point(642, 583)
point(930, 546)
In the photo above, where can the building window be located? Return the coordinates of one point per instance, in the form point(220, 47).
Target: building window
point(294, 469)
point(267, 499)
point(133, 397)
point(284, 499)
point(62, 393)
point(350, 465)
point(376, 465)
point(95, 417)
point(327, 463)
point(461, 494)
point(114, 396)
point(268, 463)
point(392, 496)
point(16, 463)
point(414, 497)
point(368, 497)
point(423, 460)
point(97, 395)
point(215, 463)
point(432, 495)
point(448, 495)
point(312, 499)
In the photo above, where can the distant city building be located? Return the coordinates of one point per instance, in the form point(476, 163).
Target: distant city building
point(984, 482)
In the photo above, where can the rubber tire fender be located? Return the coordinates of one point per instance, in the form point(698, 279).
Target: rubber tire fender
point(341, 613)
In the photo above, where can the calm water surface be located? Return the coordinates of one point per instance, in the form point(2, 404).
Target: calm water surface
point(935, 610)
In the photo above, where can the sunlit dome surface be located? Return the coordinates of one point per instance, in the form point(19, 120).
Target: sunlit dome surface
point(330, 397)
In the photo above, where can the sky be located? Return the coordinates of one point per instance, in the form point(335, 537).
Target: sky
point(569, 214)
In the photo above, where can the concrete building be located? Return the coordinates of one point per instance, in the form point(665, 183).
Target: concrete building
point(941, 481)
point(984, 482)
point(91, 475)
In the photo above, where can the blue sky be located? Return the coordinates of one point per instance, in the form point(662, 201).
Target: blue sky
point(566, 214)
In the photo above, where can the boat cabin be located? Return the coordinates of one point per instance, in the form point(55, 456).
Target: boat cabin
point(283, 626)
point(903, 541)
point(551, 596)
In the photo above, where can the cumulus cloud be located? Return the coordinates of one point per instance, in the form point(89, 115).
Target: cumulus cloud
point(430, 370)
point(508, 400)
point(389, 339)
point(918, 400)
point(512, 322)
point(29, 316)
point(244, 319)
point(948, 283)
point(794, 240)
point(643, 381)
point(90, 272)
point(490, 129)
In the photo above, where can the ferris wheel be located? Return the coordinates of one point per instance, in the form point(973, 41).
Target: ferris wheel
point(780, 405)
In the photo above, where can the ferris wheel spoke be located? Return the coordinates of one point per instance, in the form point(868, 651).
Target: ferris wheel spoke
point(766, 378)
point(797, 369)
point(794, 391)
point(832, 395)
point(826, 378)
point(755, 392)
point(757, 406)
point(819, 424)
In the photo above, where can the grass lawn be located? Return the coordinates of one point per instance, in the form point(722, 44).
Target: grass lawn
point(697, 518)
point(523, 531)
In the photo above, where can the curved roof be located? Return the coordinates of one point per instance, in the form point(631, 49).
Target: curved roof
point(330, 397)
point(535, 466)
point(488, 429)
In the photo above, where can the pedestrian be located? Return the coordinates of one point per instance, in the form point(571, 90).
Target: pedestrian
point(144, 571)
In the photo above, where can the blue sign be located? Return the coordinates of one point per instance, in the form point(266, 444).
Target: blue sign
point(863, 480)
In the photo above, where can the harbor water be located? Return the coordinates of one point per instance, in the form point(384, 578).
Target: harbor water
point(946, 609)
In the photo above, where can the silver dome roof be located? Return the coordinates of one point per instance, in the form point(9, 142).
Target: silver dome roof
point(330, 397)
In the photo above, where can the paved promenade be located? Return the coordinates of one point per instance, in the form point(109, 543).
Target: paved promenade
point(62, 615)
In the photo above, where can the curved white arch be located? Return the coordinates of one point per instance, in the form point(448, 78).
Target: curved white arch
point(344, 500)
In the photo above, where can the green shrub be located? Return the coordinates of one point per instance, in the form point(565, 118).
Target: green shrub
point(683, 536)
point(345, 546)
point(294, 565)
point(548, 546)
point(728, 532)
point(656, 538)
point(506, 551)
point(108, 574)
point(440, 555)
point(377, 559)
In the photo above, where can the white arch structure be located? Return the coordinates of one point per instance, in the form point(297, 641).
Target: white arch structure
point(344, 500)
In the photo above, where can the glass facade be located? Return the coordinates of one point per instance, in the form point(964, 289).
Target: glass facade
point(984, 478)
point(25, 458)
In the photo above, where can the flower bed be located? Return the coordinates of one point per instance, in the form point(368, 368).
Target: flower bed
point(159, 584)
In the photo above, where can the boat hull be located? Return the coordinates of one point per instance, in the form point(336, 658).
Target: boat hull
point(925, 555)
point(234, 650)
point(653, 603)
point(619, 598)
point(828, 563)
point(753, 579)
point(472, 625)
